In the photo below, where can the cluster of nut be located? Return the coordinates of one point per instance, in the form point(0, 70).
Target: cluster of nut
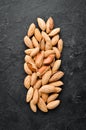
point(42, 63)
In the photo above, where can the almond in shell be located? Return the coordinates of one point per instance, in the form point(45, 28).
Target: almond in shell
point(58, 75)
point(41, 24)
point(33, 106)
point(28, 42)
point(53, 104)
point(35, 42)
point(47, 89)
point(49, 24)
point(54, 32)
point(31, 30)
point(55, 40)
point(57, 52)
point(46, 77)
point(49, 59)
point(45, 97)
point(57, 83)
point(45, 36)
point(33, 78)
point(27, 81)
point(42, 106)
point(49, 52)
point(60, 45)
point(29, 94)
point(52, 97)
point(34, 52)
point(39, 59)
point(38, 35)
point(38, 84)
point(35, 96)
point(56, 66)
point(26, 69)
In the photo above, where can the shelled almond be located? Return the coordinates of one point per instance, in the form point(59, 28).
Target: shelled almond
point(41, 64)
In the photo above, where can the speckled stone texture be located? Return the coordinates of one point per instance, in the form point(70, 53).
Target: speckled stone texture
point(15, 17)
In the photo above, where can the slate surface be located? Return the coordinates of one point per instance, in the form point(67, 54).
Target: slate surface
point(15, 16)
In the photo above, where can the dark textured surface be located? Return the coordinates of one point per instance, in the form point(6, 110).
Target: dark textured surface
point(15, 16)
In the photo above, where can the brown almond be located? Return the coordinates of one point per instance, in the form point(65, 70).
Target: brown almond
point(27, 81)
point(47, 89)
point(56, 76)
point(49, 59)
point(39, 59)
point(31, 30)
point(32, 67)
point(60, 45)
point(38, 84)
point(54, 32)
point(42, 106)
point(29, 94)
point(26, 69)
point(53, 104)
point(35, 96)
point(48, 45)
point(55, 40)
point(45, 36)
point(38, 35)
point(33, 78)
point(57, 83)
point(42, 45)
point(45, 97)
point(57, 52)
point(33, 106)
point(49, 24)
point(41, 24)
point(56, 66)
point(49, 52)
point(34, 52)
point(46, 77)
point(52, 97)
point(43, 70)
point(35, 42)
point(28, 42)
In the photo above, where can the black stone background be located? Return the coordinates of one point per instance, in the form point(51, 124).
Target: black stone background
point(15, 17)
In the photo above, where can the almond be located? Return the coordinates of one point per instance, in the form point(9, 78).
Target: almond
point(37, 84)
point(48, 45)
point(52, 97)
point(56, 76)
point(28, 42)
point(57, 52)
point(55, 40)
point(42, 106)
point(39, 59)
point(31, 29)
point(34, 52)
point(45, 36)
point(57, 83)
point(29, 94)
point(26, 69)
point(60, 45)
point(35, 42)
point(47, 89)
point(53, 104)
point(56, 66)
point(33, 106)
point(35, 96)
point(43, 70)
point(41, 24)
point(54, 32)
point(48, 52)
point(27, 81)
point(42, 45)
point(44, 96)
point(38, 35)
point(49, 59)
point(33, 78)
point(46, 77)
point(49, 24)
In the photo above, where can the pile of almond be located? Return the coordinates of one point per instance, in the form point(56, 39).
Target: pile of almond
point(42, 63)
